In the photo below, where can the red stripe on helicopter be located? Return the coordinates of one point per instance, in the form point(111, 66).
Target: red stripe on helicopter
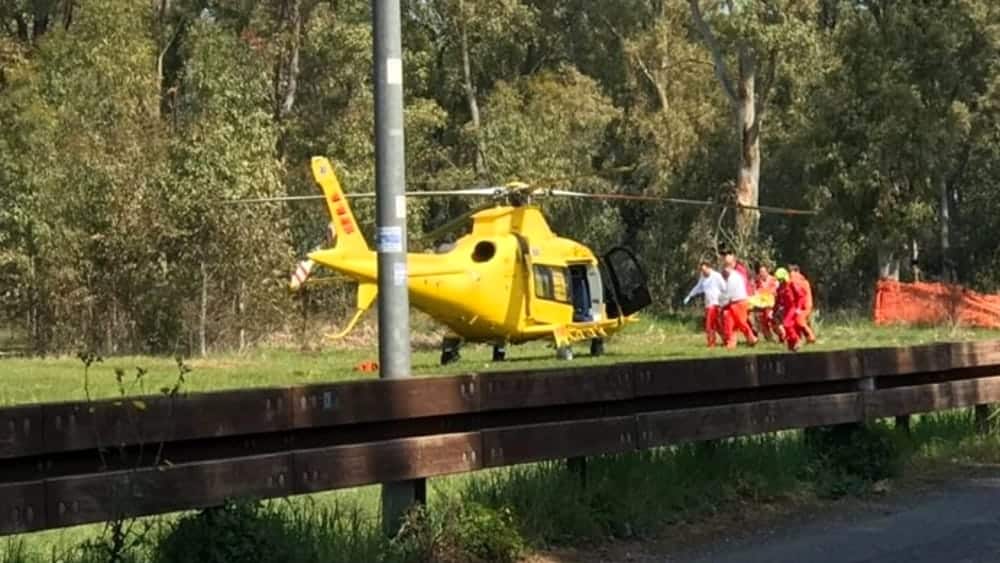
point(301, 274)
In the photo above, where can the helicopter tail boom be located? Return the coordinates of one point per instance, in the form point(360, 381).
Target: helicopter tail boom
point(342, 222)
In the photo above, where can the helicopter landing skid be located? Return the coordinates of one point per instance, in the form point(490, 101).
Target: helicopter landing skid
point(499, 353)
point(449, 350)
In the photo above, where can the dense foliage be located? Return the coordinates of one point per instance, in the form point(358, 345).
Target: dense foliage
point(124, 123)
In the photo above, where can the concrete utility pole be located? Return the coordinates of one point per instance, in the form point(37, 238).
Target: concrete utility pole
point(390, 201)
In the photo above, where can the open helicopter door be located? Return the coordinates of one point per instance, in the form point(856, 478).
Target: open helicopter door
point(625, 287)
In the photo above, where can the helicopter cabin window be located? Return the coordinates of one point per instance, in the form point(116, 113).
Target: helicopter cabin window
point(484, 251)
point(550, 283)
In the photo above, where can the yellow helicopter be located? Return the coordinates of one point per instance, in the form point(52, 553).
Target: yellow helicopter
point(510, 280)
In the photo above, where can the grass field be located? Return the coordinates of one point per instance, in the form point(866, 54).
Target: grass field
point(29, 380)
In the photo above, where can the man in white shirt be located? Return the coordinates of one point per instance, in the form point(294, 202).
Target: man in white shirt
point(713, 287)
point(736, 309)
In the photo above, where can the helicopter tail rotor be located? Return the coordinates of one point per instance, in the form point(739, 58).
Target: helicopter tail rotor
point(301, 274)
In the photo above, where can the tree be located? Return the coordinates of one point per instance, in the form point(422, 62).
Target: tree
point(226, 148)
point(760, 35)
point(895, 129)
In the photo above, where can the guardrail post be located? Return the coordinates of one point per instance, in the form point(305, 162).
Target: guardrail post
point(578, 467)
point(903, 423)
point(984, 414)
point(866, 384)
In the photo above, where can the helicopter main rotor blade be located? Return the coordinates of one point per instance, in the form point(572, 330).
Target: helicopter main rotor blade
point(270, 199)
point(486, 192)
point(681, 201)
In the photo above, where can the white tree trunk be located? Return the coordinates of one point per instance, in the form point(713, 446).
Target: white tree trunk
point(470, 92)
point(742, 94)
point(241, 314)
point(888, 263)
point(947, 272)
point(203, 320)
point(292, 77)
point(33, 321)
point(748, 176)
point(109, 345)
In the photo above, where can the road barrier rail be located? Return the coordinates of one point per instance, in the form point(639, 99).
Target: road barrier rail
point(63, 464)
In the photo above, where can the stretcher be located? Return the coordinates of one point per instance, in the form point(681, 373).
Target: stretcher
point(759, 301)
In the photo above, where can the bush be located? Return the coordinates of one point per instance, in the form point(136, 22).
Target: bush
point(234, 533)
point(417, 540)
point(485, 533)
point(847, 458)
point(459, 532)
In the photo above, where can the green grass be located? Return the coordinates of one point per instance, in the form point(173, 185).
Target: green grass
point(30, 380)
point(638, 495)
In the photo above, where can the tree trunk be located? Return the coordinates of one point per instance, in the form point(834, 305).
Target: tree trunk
point(22, 28)
point(68, 7)
point(915, 260)
point(109, 335)
point(743, 97)
point(470, 93)
point(663, 103)
point(947, 271)
point(748, 176)
point(33, 304)
point(888, 263)
point(40, 23)
point(291, 75)
point(828, 11)
point(203, 320)
point(163, 45)
point(241, 314)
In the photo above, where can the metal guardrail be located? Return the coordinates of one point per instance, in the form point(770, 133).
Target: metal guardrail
point(63, 464)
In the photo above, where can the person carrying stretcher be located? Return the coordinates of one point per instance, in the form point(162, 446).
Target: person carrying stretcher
point(796, 277)
point(736, 310)
point(789, 304)
point(762, 302)
point(713, 287)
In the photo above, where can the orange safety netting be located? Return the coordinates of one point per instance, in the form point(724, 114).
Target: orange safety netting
point(934, 303)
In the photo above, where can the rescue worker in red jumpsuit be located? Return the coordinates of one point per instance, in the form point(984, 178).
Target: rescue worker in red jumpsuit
point(767, 285)
point(789, 303)
point(737, 308)
point(800, 281)
point(730, 262)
